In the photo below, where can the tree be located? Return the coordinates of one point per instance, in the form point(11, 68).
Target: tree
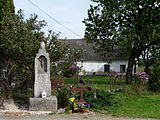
point(6, 8)
point(19, 42)
point(70, 59)
point(150, 56)
point(133, 24)
point(62, 55)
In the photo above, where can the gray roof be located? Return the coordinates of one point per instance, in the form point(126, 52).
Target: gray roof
point(89, 53)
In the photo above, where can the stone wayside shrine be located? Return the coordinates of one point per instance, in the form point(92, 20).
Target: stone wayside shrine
point(42, 101)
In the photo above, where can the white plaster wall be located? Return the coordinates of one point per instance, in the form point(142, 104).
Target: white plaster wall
point(93, 66)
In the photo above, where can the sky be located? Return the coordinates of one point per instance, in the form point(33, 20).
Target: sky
point(70, 13)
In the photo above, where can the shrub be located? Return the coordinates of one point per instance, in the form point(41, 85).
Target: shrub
point(135, 89)
point(154, 79)
point(56, 81)
point(72, 71)
point(142, 76)
point(139, 86)
point(22, 93)
point(63, 94)
point(100, 99)
point(61, 90)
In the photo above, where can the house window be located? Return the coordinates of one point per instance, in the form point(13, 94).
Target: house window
point(106, 68)
point(122, 68)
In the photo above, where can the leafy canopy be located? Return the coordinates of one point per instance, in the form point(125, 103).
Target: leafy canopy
point(19, 43)
point(130, 23)
point(6, 8)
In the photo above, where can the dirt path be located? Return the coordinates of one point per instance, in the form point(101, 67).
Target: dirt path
point(75, 116)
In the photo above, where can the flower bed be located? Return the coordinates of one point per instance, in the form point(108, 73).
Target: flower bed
point(77, 107)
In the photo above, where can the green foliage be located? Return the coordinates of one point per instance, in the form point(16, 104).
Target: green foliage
point(100, 99)
point(54, 92)
point(63, 95)
point(135, 90)
point(20, 38)
point(70, 80)
point(112, 23)
point(140, 62)
point(150, 56)
point(70, 59)
point(154, 80)
point(68, 108)
point(72, 71)
point(56, 81)
point(6, 8)
point(60, 51)
point(66, 53)
point(55, 48)
point(19, 43)
point(130, 24)
point(22, 93)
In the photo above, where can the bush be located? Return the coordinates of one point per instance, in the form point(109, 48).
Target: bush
point(56, 81)
point(22, 93)
point(63, 95)
point(136, 89)
point(138, 86)
point(61, 90)
point(154, 79)
point(72, 71)
point(100, 99)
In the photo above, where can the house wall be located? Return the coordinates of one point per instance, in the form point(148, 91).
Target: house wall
point(93, 66)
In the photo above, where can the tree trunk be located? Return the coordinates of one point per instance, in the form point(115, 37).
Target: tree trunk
point(147, 65)
point(129, 75)
point(135, 53)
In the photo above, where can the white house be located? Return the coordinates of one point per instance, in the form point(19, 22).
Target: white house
point(92, 62)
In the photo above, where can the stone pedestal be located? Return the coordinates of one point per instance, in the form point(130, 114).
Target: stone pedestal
point(43, 104)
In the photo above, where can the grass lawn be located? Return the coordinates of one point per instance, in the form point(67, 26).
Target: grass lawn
point(138, 106)
point(98, 82)
point(130, 106)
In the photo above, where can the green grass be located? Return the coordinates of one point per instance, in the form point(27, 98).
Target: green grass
point(129, 106)
point(98, 82)
point(138, 106)
point(70, 80)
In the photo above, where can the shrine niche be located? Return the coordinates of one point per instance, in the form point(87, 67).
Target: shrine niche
point(42, 64)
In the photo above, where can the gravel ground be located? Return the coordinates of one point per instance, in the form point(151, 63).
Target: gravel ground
point(44, 116)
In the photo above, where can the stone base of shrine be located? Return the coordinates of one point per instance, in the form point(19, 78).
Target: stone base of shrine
point(43, 104)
